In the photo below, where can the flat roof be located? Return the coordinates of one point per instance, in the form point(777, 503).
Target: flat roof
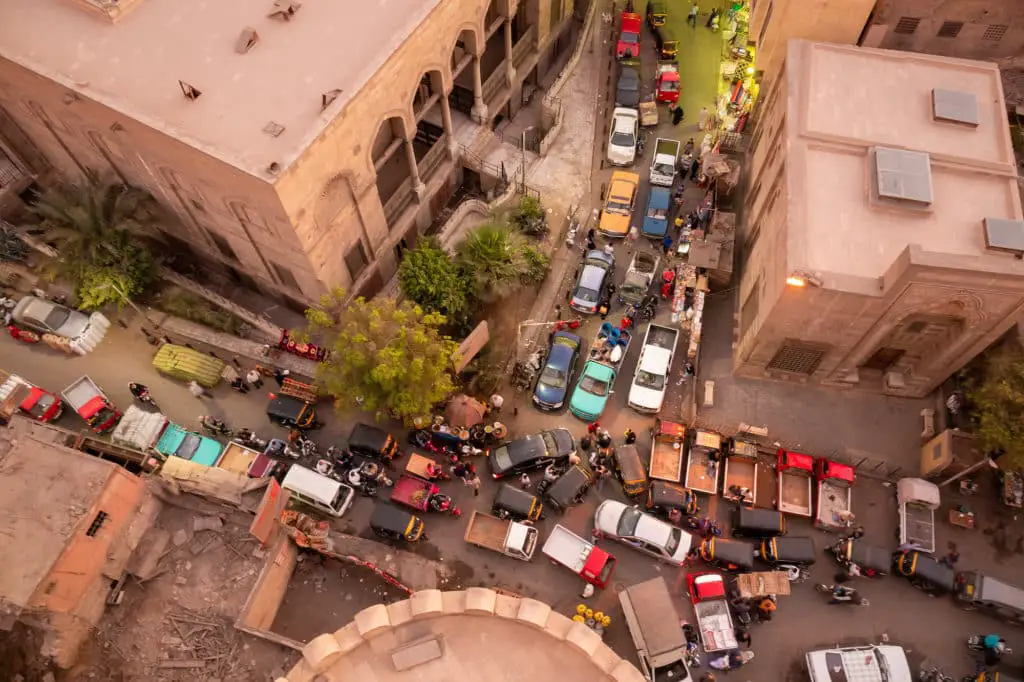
point(134, 66)
point(45, 492)
point(843, 102)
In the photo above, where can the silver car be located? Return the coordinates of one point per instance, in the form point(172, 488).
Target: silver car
point(592, 280)
point(46, 317)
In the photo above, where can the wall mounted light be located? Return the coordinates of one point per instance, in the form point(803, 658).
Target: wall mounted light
point(795, 281)
point(802, 279)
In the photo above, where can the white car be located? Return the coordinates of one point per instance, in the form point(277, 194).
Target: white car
point(642, 531)
point(622, 141)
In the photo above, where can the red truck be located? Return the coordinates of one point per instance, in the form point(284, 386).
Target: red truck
point(628, 45)
point(91, 404)
point(36, 402)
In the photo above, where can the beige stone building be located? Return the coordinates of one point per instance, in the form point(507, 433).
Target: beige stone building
point(884, 221)
point(302, 145)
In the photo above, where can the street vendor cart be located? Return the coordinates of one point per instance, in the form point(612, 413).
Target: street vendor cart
point(424, 467)
point(421, 495)
point(762, 584)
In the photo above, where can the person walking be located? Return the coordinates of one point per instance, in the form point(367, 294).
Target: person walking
point(460, 471)
point(691, 18)
point(677, 115)
point(524, 481)
point(743, 636)
point(666, 243)
point(604, 307)
point(702, 118)
point(474, 483)
point(952, 557)
point(496, 402)
point(196, 390)
point(280, 375)
point(609, 248)
point(254, 378)
point(591, 244)
point(592, 427)
point(630, 437)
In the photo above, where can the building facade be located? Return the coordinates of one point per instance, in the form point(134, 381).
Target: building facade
point(301, 146)
point(884, 221)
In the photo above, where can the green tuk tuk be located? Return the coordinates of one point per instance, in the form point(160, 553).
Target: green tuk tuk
point(657, 13)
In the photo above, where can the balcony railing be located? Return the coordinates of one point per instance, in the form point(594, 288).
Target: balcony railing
point(526, 45)
point(433, 158)
point(495, 83)
point(399, 201)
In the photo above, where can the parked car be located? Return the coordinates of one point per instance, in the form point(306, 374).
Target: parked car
point(622, 139)
point(531, 453)
point(40, 315)
point(618, 204)
point(656, 218)
point(641, 531)
point(627, 89)
point(592, 279)
point(559, 367)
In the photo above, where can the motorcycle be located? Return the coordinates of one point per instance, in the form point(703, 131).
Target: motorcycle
point(249, 439)
point(704, 526)
point(992, 646)
point(842, 595)
point(732, 660)
point(933, 674)
point(440, 502)
point(141, 393)
point(646, 309)
point(214, 426)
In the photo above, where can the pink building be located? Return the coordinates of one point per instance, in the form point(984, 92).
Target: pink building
point(884, 226)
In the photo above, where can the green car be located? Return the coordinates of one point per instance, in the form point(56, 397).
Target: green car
point(592, 391)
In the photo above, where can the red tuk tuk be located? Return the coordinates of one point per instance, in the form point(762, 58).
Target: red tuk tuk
point(628, 45)
point(422, 495)
point(666, 83)
point(795, 472)
point(835, 494)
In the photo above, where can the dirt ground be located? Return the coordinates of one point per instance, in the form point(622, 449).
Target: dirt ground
point(184, 616)
point(325, 594)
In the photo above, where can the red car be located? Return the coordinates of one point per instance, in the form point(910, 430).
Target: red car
point(628, 45)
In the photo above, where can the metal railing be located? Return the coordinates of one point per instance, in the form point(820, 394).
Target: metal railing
point(527, 42)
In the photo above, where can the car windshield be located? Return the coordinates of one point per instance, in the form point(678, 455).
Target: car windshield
point(648, 380)
point(595, 386)
point(665, 168)
point(42, 405)
point(627, 522)
point(188, 447)
point(659, 213)
point(553, 377)
point(617, 207)
point(621, 139)
point(549, 443)
point(673, 541)
point(57, 317)
point(502, 458)
point(585, 294)
point(629, 38)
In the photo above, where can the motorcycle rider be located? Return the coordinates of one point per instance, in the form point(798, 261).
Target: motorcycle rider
point(842, 593)
point(140, 391)
point(993, 646)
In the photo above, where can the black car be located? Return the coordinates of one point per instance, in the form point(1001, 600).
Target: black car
point(627, 90)
point(531, 453)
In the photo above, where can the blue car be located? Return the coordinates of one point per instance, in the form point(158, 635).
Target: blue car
point(656, 217)
point(553, 384)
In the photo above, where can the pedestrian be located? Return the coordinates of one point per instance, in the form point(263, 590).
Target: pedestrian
point(586, 443)
point(609, 248)
point(695, 170)
point(631, 238)
point(474, 483)
point(601, 472)
point(853, 570)
point(592, 427)
point(574, 459)
point(235, 362)
point(591, 244)
point(604, 442)
point(702, 118)
point(711, 17)
point(630, 436)
point(677, 115)
point(743, 636)
point(280, 375)
point(765, 608)
point(604, 307)
point(254, 378)
point(524, 481)
point(196, 390)
point(952, 557)
point(239, 385)
point(691, 18)
point(666, 243)
point(496, 402)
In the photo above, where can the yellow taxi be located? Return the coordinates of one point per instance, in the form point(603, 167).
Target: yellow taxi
point(618, 204)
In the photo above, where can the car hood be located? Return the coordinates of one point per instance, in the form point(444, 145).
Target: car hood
point(614, 223)
point(646, 398)
point(607, 515)
point(655, 226)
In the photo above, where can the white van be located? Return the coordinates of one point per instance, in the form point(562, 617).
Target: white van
point(318, 491)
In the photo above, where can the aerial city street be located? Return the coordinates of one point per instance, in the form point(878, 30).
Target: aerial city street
point(507, 339)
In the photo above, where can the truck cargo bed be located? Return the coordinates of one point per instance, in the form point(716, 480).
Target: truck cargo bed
point(667, 462)
point(701, 473)
point(795, 494)
point(919, 527)
point(487, 531)
point(715, 623)
point(832, 499)
point(740, 471)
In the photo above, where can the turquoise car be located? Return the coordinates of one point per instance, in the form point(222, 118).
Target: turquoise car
point(592, 391)
point(176, 441)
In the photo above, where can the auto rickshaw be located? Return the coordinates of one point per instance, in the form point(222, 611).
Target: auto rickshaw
point(663, 497)
point(873, 562)
point(294, 405)
point(758, 523)
point(995, 676)
point(728, 555)
point(567, 490)
point(629, 469)
point(389, 521)
point(657, 13)
point(668, 46)
point(925, 572)
point(372, 441)
point(513, 503)
point(789, 550)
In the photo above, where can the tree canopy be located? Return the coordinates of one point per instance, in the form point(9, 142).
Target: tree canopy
point(499, 260)
point(998, 404)
point(387, 357)
point(429, 276)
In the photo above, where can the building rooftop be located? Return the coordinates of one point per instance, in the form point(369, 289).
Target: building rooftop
point(846, 104)
point(134, 66)
point(45, 492)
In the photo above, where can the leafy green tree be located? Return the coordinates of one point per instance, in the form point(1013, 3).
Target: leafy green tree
point(498, 260)
point(430, 277)
point(997, 402)
point(387, 357)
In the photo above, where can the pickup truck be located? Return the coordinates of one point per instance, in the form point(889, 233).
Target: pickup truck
point(741, 467)
point(507, 537)
point(178, 441)
point(237, 458)
point(703, 463)
point(653, 624)
point(835, 494)
point(650, 381)
point(795, 472)
point(91, 404)
point(36, 402)
point(917, 500)
point(598, 376)
point(667, 451)
point(663, 164)
point(873, 663)
point(139, 429)
point(707, 592)
point(583, 558)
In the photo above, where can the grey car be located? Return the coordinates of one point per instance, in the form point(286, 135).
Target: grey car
point(47, 317)
point(592, 280)
point(627, 90)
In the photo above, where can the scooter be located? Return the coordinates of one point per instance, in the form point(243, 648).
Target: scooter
point(842, 595)
point(440, 502)
point(978, 643)
point(214, 426)
point(142, 394)
point(247, 438)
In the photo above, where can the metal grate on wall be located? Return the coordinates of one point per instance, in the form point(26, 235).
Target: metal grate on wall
point(995, 32)
point(798, 357)
point(950, 29)
point(907, 25)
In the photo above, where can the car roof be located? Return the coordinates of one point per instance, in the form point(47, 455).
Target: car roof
point(629, 76)
point(624, 177)
point(592, 276)
point(560, 356)
point(659, 197)
point(527, 446)
point(653, 530)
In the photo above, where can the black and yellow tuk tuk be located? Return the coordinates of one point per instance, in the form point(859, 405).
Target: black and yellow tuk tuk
point(789, 550)
point(758, 523)
point(294, 405)
point(665, 39)
point(373, 441)
point(389, 521)
point(663, 497)
point(925, 572)
point(728, 555)
point(568, 489)
point(873, 562)
point(629, 469)
point(514, 503)
point(657, 13)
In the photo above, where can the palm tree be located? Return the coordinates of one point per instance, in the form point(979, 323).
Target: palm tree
point(488, 255)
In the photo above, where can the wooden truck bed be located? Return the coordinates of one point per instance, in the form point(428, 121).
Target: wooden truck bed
point(667, 462)
point(740, 471)
point(795, 494)
point(701, 473)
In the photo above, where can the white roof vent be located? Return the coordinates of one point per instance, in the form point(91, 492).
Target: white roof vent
point(1004, 235)
point(903, 176)
point(955, 107)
